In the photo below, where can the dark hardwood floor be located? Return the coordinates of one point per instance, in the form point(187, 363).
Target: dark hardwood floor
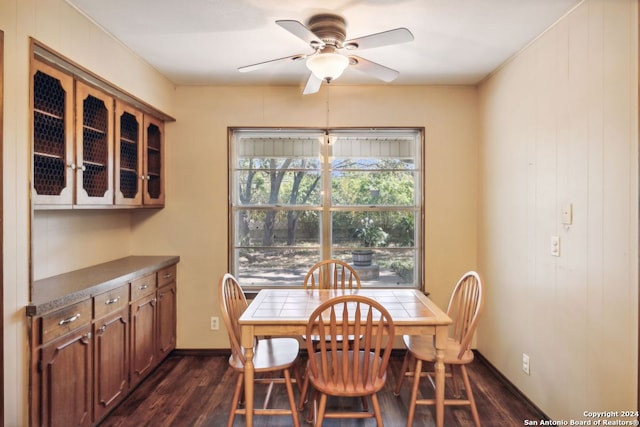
point(190, 389)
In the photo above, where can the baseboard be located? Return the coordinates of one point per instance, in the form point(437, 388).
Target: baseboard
point(511, 387)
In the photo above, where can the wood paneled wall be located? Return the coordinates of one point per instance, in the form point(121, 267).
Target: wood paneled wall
point(559, 127)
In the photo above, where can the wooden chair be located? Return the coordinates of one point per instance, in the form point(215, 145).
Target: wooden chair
point(332, 274)
point(271, 355)
point(327, 274)
point(464, 308)
point(340, 369)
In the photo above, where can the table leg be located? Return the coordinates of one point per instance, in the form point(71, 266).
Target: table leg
point(247, 343)
point(441, 343)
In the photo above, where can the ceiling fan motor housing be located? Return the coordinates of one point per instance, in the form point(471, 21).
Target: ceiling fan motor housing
point(329, 28)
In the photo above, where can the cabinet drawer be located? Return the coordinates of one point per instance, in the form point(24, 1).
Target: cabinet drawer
point(111, 301)
point(66, 320)
point(166, 276)
point(143, 286)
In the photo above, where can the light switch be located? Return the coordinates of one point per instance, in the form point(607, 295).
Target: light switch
point(555, 245)
point(567, 214)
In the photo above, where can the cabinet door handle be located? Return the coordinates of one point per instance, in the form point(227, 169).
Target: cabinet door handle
point(143, 287)
point(103, 328)
point(167, 275)
point(69, 320)
point(72, 166)
point(112, 300)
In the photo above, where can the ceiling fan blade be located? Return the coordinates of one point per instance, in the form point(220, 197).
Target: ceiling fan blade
point(299, 30)
point(385, 38)
point(252, 67)
point(381, 72)
point(313, 85)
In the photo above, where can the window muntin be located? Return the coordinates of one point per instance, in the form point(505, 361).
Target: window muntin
point(301, 196)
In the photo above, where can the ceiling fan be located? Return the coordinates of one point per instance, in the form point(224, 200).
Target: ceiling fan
point(326, 35)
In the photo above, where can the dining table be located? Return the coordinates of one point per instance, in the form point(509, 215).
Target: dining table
point(285, 312)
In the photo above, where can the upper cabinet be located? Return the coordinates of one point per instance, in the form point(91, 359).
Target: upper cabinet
point(139, 158)
point(92, 149)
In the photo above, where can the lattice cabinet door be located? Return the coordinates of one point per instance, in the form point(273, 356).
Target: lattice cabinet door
point(153, 182)
point(94, 146)
point(128, 155)
point(53, 154)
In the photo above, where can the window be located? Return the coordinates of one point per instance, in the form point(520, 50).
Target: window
point(299, 196)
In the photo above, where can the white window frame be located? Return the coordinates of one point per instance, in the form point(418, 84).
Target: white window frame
point(323, 207)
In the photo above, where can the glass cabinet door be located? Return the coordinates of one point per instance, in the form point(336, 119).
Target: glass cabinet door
point(153, 182)
point(128, 151)
point(53, 157)
point(94, 146)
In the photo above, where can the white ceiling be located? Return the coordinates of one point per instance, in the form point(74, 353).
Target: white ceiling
point(203, 42)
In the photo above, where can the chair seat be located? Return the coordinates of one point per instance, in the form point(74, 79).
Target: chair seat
point(421, 347)
point(333, 383)
point(270, 354)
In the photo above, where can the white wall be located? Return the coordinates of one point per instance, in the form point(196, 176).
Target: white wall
point(560, 125)
point(69, 240)
point(194, 222)
point(57, 25)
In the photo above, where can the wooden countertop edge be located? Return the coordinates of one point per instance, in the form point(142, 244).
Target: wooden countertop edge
point(53, 293)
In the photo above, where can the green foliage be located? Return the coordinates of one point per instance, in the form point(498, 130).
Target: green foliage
point(370, 235)
point(357, 183)
point(404, 230)
point(403, 269)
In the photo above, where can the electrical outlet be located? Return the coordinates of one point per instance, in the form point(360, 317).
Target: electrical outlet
point(215, 323)
point(525, 364)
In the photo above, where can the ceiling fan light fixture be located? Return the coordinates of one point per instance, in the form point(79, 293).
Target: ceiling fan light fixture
point(327, 66)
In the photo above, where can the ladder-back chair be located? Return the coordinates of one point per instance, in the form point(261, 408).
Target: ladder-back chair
point(327, 274)
point(271, 355)
point(464, 309)
point(341, 369)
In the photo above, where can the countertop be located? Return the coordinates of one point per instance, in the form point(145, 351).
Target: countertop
point(59, 291)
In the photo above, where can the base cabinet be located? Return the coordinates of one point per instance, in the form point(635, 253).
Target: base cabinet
point(111, 373)
point(167, 311)
point(143, 337)
point(111, 350)
point(66, 380)
point(87, 357)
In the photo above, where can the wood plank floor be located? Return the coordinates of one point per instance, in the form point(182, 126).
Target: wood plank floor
point(195, 390)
